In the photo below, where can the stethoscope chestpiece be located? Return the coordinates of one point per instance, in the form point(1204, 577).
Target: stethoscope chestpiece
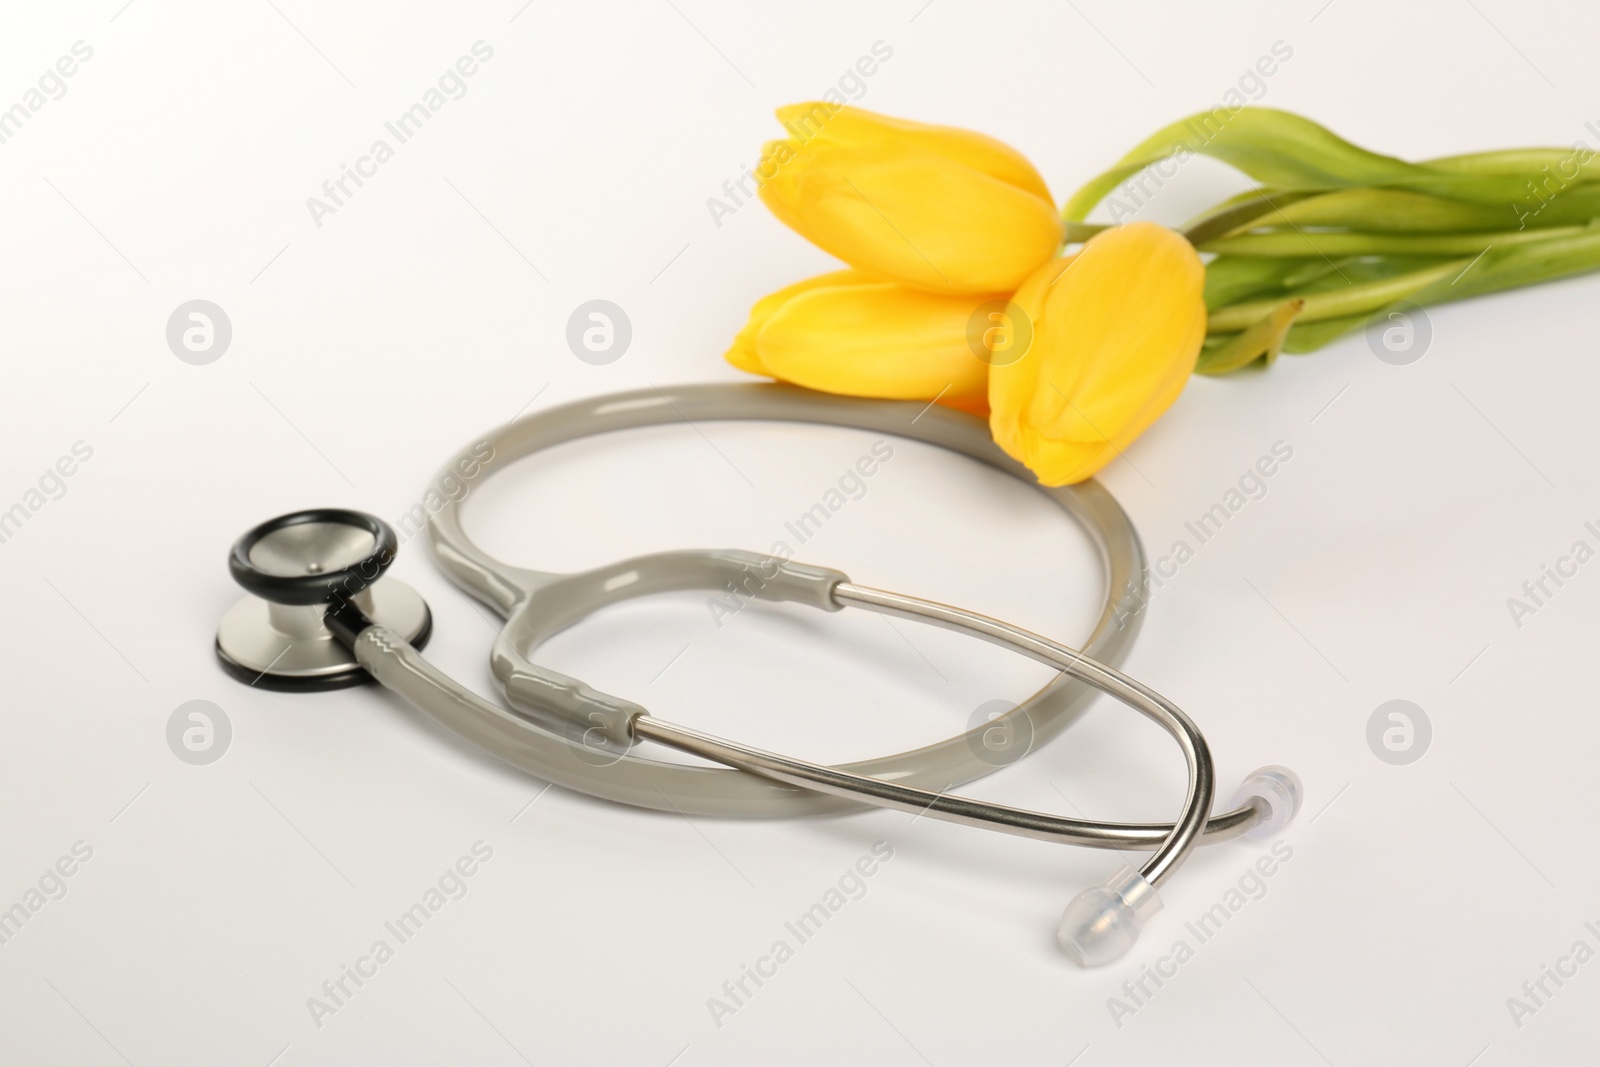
point(296, 568)
point(319, 556)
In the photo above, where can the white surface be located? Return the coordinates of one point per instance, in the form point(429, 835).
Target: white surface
point(219, 898)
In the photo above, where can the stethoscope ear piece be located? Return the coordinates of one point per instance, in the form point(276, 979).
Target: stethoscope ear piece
point(1278, 790)
point(1102, 923)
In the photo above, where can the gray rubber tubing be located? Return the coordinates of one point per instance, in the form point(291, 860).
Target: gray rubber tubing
point(539, 735)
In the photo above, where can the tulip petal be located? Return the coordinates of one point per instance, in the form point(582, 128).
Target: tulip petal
point(1116, 331)
point(743, 353)
point(853, 126)
point(932, 207)
point(874, 339)
point(916, 218)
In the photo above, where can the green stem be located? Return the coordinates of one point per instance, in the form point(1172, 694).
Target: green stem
point(1571, 164)
point(1302, 243)
point(1239, 212)
point(1264, 340)
point(1337, 303)
point(1079, 232)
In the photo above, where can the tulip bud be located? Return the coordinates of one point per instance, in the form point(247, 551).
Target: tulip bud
point(1116, 330)
point(847, 332)
point(932, 207)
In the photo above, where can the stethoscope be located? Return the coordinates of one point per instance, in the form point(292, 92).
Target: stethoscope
point(322, 615)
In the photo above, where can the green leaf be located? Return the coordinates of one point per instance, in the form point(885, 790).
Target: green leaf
point(1329, 298)
point(1237, 213)
point(1386, 211)
point(1566, 164)
point(1402, 211)
point(1377, 287)
point(1262, 341)
point(1286, 151)
point(1303, 337)
point(1514, 266)
point(1298, 242)
point(1309, 336)
point(1230, 279)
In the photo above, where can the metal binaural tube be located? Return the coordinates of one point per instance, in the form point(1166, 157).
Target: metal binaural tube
point(1152, 705)
point(1171, 842)
point(943, 806)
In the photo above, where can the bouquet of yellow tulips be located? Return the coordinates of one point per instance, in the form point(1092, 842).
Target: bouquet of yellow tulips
point(967, 287)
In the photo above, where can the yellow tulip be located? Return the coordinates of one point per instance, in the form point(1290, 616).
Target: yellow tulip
point(1116, 332)
point(933, 207)
point(848, 332)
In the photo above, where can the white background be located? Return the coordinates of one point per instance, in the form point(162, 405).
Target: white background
point(433, 305)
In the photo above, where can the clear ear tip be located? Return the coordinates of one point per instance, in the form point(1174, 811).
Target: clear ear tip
point(1101, 923)
point(1280, 790)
